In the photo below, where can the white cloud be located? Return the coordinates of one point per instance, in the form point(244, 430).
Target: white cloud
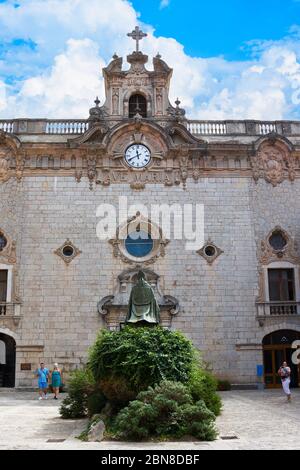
point(74, 39)
point(164, 3)
point(72, 83)
point(3, 97)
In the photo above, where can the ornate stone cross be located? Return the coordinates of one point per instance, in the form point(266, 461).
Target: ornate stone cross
point(137, 35)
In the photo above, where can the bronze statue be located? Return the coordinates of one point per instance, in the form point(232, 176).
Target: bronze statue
point(143, 307)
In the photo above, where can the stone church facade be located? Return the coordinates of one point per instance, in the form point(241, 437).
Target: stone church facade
point(236, 296)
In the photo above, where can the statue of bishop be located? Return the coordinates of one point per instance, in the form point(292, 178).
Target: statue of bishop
point(143, 307)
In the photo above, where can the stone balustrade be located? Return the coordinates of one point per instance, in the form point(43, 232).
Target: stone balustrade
point(207, 128)
point(11, 312)
point(7, 126)
point(274, 309)
point(66, 127)
point(196, 127)
point(267, 128)
point(7, 310)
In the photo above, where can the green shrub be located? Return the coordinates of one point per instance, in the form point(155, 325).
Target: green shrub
point(167, 410)
point(142, 357)
point(117, 390)
point(123, 364)
point(203, 386)
point(224, 386)
point(80, 387)
point(95, 403)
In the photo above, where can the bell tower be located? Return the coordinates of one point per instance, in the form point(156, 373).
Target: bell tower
point(138, 92)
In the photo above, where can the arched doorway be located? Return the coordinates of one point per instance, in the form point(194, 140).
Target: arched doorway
point(137, 105)
point(277, 348)
point(7, 361)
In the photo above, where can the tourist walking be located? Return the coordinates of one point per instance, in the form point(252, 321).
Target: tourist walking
point(42, 373)
point(56, 381)
point(285, 375)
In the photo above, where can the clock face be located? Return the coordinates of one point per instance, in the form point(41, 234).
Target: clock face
point(138, 156)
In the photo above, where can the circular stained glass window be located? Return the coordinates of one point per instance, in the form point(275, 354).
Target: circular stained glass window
point(277, 241)
point(139, 244)
point(3, 242)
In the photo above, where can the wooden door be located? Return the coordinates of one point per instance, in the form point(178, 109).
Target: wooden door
point(274, 356)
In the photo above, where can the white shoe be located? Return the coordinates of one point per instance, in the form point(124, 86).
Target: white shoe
point(40, 398)
point(46, 398)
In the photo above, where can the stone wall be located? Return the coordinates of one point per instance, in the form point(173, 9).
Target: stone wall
point(59, 301)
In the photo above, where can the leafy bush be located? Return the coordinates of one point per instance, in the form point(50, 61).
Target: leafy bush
point(224, 386)
point(80, 387)
point(142, 357)
point(166, 410)
point(117, 390)
point(95, 403)
point(122, 365)
point(203, 386)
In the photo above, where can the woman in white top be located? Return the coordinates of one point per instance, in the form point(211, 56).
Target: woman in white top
point(285, 374)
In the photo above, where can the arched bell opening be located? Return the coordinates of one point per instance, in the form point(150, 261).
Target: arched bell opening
point(137, 105)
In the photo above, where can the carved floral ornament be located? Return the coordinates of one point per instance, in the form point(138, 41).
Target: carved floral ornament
point(7, 249)
point(4, 166)
point(274, 162)
point(155, 243)
point(9, 150)
point(279, 246)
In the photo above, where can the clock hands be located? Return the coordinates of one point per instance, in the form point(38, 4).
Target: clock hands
point(132, 158)
point(138, 156)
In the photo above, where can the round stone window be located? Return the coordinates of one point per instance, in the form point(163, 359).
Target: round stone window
point(139, 244)
point(277, 241)
point(3, 242)
point(210, 251)
point(68, 251)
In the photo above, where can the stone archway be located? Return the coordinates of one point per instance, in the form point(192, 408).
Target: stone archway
point(7, 361)
point(277, 348)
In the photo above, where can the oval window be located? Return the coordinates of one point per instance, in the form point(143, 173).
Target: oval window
point(139, 244)
point(3, 242)
point(277, 241)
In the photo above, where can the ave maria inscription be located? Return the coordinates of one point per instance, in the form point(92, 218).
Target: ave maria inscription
point(138, 180)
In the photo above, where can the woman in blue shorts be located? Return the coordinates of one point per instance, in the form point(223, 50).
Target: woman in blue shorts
point(56, 380)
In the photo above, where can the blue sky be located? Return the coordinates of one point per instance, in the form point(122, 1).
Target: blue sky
point(232, 59)
point(220, 27)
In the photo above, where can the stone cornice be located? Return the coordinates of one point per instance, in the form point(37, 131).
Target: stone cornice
point(177, 156)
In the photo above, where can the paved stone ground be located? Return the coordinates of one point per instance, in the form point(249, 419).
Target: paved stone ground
point(260, 420)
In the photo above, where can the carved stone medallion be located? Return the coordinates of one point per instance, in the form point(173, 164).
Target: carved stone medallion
point(274, 162)
point(4, 166)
